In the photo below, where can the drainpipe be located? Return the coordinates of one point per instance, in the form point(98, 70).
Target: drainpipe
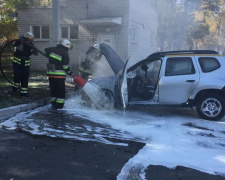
point(55, 21)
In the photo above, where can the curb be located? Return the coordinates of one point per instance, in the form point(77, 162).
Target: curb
point(11, 111)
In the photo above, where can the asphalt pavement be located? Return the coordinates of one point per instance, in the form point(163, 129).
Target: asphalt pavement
point(24, 156)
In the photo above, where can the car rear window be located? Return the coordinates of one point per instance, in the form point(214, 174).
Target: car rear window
point(208, 64)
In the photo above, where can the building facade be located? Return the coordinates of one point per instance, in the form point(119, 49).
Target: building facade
point(128, 26)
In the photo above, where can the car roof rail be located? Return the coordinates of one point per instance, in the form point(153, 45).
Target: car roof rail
point(162, 54)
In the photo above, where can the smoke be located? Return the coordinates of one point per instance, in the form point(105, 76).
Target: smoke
point(102, 68)
point(177, 23)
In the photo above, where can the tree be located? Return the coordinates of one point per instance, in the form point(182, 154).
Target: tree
point(214, 11)
point(176, 20)
point(8, 24)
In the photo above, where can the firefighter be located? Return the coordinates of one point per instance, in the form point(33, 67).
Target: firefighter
point(58, 67)
point(23, 49)
point(92, 55)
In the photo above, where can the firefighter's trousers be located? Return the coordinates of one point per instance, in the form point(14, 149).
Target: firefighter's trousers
point(21, 78)
point(57, 91)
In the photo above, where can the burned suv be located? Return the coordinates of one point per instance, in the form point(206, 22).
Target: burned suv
point(176, 78)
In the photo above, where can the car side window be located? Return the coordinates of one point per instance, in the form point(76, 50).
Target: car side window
point(208, 64)
point(179, 66)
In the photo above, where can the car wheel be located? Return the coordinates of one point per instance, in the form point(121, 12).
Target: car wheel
point(211, 107)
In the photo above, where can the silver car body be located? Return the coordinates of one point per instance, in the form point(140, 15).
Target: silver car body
point(167, 78)
point(182, 88)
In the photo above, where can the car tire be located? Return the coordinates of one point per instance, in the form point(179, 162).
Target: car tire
point(210, 107)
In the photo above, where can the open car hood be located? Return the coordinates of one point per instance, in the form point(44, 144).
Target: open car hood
point(115, 62)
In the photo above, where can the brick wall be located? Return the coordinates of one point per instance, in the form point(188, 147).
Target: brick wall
point(35, 16)
point(132, 12)
point(113, 8)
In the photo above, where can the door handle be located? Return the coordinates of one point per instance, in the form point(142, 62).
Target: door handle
point(190, 81)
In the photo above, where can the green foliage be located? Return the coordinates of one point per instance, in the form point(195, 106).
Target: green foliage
point(8, 29)
point(214, 12)
point(8, 24)
point(191, 24)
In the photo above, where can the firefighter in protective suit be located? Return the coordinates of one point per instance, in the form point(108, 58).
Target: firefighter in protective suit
point(58, 67)
point(23, 49)
point(92, 55)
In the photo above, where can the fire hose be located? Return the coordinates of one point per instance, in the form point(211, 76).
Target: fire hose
point(3, 71)
point(77, 79)
point(5, 48)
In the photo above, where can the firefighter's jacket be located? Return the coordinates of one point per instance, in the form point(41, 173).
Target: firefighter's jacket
point(58, 65)
point(22, 52)
point(88, 60)
point(85, 65)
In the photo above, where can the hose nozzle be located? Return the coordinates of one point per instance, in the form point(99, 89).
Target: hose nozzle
point(79, 80)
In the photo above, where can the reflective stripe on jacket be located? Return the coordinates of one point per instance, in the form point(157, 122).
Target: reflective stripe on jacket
point(55, 56)
point(85, 65)
point(20, 61)
point(59, 58)
point(81, 69)
point(56, 74)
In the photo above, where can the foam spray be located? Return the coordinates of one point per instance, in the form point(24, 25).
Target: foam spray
point(95, 93)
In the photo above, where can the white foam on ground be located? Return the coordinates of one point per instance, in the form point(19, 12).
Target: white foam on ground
point(172, 138)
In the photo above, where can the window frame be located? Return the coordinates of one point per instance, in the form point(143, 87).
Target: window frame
point(41, 31)
point(193, 71)
point(201, 64)
point(133, 34)
point(69, 31)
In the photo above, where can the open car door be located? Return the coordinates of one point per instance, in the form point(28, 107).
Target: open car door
point(124, 90)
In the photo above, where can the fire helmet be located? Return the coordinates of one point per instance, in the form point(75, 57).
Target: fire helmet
point(29, 35)
point(97, 46)
point(66, 43)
